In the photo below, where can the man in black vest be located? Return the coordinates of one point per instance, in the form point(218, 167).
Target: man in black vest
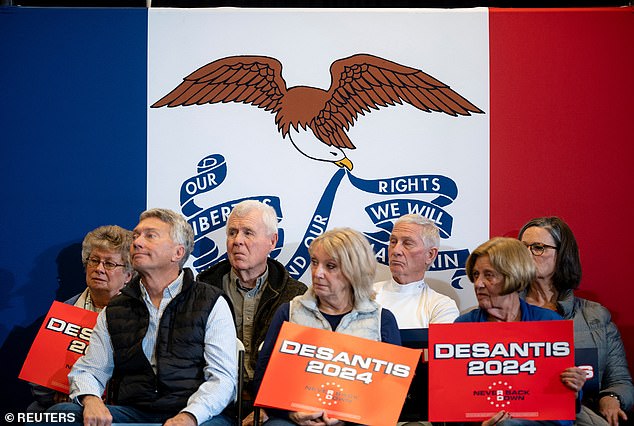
point(255, 283)
point(167, 343)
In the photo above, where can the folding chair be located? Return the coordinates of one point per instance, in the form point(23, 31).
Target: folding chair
point(238, 401)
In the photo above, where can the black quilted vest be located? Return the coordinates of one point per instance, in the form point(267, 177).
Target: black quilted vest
point(179, 346)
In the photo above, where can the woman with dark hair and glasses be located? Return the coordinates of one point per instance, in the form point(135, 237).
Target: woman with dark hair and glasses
point(556, 256)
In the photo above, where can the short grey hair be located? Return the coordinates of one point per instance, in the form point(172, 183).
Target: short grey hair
point(269, 216)
point(428, 228)
point(180, 230)
point(110, 238)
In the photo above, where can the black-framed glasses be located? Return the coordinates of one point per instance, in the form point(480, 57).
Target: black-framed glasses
point(538, 248)
point(108, 265)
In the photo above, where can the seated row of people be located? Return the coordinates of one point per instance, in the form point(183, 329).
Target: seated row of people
point(166, 346)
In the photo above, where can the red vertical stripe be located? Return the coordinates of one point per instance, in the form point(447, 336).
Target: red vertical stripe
point(562, 127)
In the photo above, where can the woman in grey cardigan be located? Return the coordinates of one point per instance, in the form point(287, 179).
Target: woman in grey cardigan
point(556, 257)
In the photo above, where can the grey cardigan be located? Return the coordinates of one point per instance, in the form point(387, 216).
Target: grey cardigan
point(593, 327)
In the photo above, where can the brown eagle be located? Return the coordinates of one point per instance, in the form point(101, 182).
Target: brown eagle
point(359, 83)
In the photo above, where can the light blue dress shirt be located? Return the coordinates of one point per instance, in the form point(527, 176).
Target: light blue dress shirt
point(91, 372)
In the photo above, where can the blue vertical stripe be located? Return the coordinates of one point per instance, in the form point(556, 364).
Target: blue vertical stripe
point(72, 155)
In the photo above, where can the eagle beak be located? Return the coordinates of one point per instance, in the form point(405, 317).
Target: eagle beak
point(345, 163)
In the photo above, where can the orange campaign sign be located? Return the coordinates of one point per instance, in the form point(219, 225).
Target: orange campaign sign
point(62, 339)
point(479, 369)
point(350, 378)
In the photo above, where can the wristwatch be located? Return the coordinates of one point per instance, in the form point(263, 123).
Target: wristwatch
point(610, 394)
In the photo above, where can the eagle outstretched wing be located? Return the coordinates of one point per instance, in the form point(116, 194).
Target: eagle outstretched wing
point(363, 82)
point(255, 80)
point(359, 83)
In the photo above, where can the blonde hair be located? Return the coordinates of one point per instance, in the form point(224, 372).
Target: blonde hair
point(355, 257)
point(509, 257)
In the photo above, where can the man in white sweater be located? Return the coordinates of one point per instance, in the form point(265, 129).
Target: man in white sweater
point(413, 247)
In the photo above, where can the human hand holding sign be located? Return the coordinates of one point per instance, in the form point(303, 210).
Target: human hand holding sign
point(573, 378)
point(319, 418)
point(500, 416)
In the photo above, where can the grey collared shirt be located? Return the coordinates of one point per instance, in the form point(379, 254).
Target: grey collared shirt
point(245, 303)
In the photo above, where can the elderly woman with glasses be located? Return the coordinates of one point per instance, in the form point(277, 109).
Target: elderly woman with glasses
point(105, 254)
point(556, 256)
point(499, 269)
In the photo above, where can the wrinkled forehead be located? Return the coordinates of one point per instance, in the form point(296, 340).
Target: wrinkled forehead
point(483, 262)
point(407, 230)
point(103, 252)
point(251, 219)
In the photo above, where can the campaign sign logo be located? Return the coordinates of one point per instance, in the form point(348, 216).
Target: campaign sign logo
point(62, 339)
point(489, 367)
point(350, 378)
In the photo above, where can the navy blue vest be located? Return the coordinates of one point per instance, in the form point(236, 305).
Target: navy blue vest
point(179, 348)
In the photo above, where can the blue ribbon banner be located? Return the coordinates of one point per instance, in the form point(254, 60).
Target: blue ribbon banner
point(443, 186)
point(212, 171)
point(384, 213)
point(319, 222)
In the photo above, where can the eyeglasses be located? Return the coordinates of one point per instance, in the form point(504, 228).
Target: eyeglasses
point(108, 265)
point(538, 248)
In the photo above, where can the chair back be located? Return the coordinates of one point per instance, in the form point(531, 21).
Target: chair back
point(416, 404)
point(238, 402)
